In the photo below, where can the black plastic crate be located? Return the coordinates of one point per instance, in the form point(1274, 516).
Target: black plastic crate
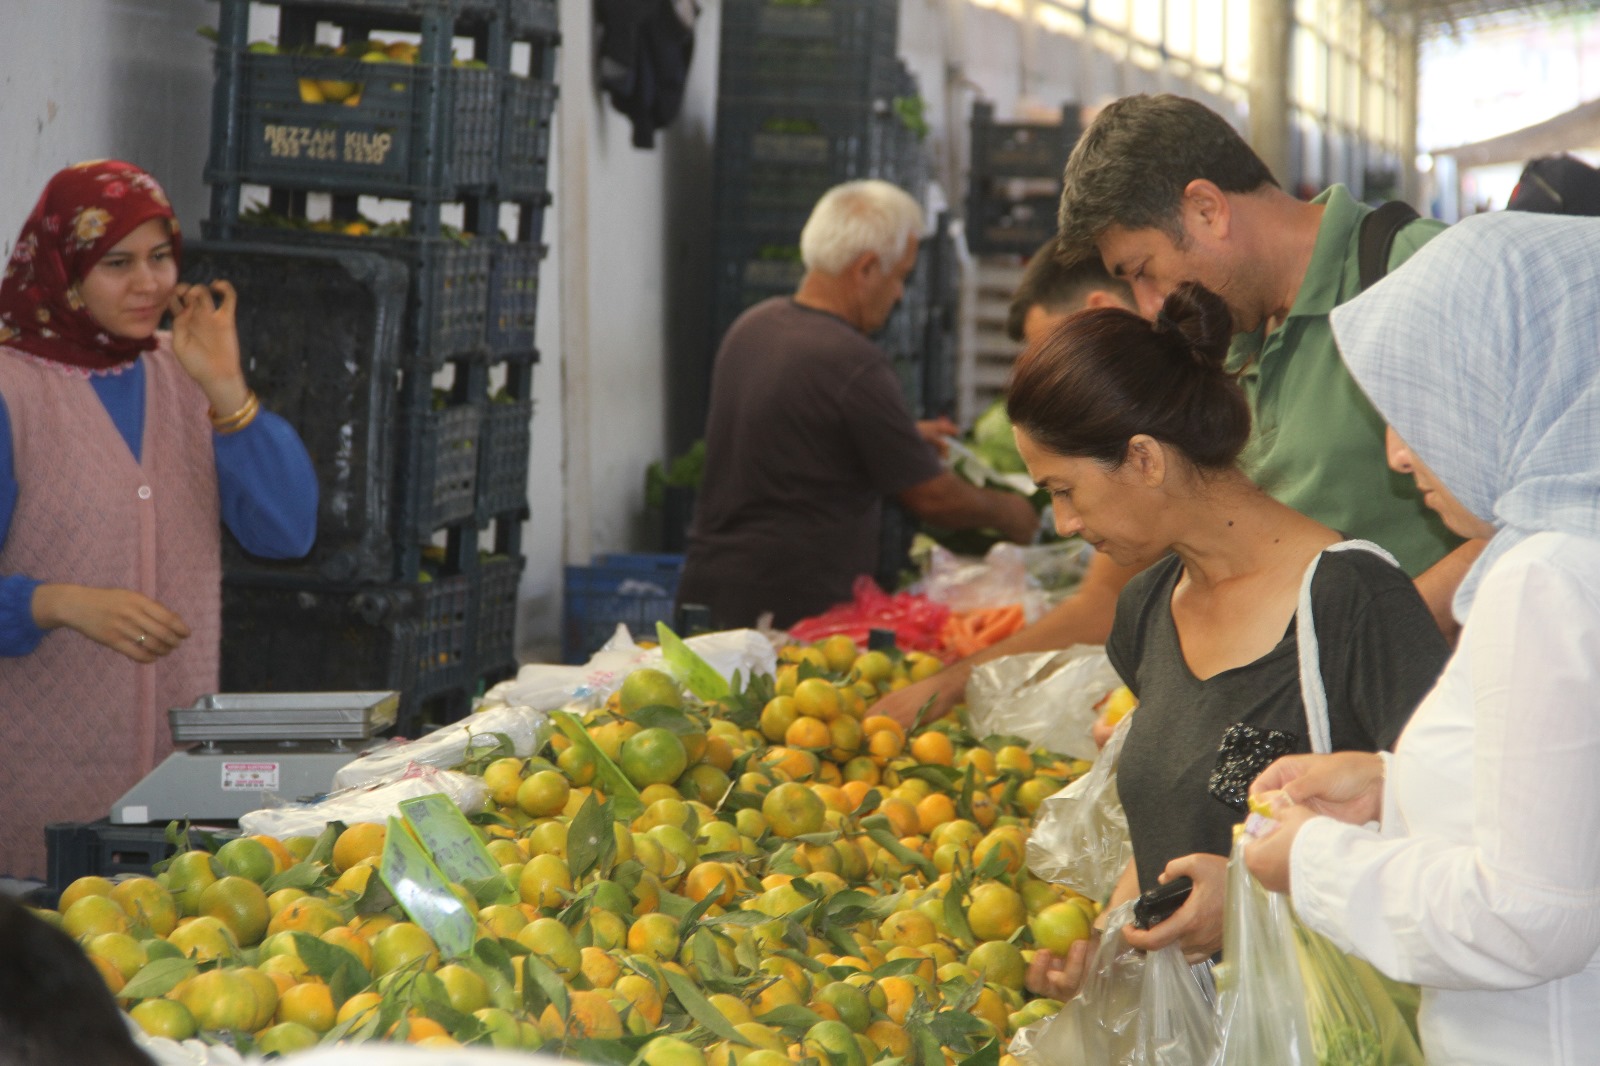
point(513, 298)
point(495, 616)
point(104, 849)
point(483, 9)
point(448, 303)
point(524, 166)
point(635, 589)
point(443, 661)
point(775, 159)
point(411, 637)
point(751, 267)
point(853, 25)
point(321, 336)
point(403, 130)
point(1021, 149)
point(828, 69)
point(503, 449)
point(533, 19)
point(444, 487)
point(998, 226)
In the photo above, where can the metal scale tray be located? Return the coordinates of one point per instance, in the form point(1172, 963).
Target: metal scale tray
point(249, 745)
point(229, 717)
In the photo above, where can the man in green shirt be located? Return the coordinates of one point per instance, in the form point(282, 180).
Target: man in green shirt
point(1164, 190)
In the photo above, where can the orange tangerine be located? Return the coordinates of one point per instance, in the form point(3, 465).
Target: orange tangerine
point(935, 810)
point(933, 748)
point(806, 733)
point(360, 841)
point(816, 697)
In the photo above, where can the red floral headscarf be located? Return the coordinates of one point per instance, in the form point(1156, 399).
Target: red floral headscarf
point(85, 210)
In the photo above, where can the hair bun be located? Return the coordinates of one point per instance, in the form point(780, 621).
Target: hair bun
point(1198, 319)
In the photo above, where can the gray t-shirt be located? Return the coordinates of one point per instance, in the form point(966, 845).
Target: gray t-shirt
point(808, 431)
point(1381, 652)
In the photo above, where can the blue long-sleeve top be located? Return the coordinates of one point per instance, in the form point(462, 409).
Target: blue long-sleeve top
point(265, 479)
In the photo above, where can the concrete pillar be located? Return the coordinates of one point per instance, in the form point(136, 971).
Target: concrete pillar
point(1406, 91)
point(1270, 67)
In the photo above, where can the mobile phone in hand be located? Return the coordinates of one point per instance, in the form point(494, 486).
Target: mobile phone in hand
point(1158, 904)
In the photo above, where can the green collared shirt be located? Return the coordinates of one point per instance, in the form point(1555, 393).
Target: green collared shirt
point(1317, 443)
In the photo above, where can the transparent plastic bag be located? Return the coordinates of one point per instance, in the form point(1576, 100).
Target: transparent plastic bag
point(1288, 995)
point(373, 802)
point(1134, 1009)
point(1080, 836)
point(449, 746)
point(1260, 1000)
point(969, 584)
point(1047, 698)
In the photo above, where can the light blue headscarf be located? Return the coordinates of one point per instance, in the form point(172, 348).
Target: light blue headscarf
point(1483, 352)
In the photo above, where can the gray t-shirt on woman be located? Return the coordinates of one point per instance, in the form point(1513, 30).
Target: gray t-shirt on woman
point(1381, 652)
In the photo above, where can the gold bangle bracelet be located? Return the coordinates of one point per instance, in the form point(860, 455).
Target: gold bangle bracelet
point(239, 419)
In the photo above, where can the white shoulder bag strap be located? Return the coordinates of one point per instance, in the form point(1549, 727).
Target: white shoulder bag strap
point(1312, 691)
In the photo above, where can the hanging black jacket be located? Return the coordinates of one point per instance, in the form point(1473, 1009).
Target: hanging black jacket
point(645, 48)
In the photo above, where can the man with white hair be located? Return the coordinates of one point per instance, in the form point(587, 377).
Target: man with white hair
point(808, 429)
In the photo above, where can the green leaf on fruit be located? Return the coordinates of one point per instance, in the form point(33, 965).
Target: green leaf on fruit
point(701, 1010)
point(158, 978)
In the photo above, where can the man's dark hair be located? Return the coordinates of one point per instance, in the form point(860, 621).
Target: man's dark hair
point(1059, 286)
point(1132, 164)
point(54, 1005)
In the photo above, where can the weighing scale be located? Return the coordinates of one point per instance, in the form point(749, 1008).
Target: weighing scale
point(248, 745)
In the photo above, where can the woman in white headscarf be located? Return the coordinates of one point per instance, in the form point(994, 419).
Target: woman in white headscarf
point(1480, 880)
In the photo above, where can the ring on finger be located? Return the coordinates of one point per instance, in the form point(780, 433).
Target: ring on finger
point(142, 637)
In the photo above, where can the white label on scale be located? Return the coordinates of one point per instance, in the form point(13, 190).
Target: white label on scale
point(250, 777)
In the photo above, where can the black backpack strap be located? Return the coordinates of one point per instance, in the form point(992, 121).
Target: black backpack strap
point(1376, 240)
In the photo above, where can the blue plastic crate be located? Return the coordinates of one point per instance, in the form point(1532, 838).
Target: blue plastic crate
point(635, 589)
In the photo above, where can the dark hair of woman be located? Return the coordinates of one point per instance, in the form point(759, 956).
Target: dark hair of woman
point(55, 1007)
point(1105, 375)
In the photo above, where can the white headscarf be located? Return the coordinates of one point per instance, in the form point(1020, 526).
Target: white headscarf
point(1483, 352)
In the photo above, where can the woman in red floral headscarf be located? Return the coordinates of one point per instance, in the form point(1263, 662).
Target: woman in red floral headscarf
point(121, 450)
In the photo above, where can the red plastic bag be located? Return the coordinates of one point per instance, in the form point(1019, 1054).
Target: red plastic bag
point(915, 620)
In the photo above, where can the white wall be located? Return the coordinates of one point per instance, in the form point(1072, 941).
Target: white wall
point(95, 79)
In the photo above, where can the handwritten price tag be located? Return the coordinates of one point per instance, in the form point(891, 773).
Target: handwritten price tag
point(453, 843)
point(424, 892)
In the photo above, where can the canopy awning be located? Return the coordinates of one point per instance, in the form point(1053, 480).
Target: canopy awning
point(1567, 132)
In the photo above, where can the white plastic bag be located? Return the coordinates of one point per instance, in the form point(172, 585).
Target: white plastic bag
point(1080, 836)
point(1134, 1009)
point(367, 803)
point(545, 688)
point(448, 746)
point(1047, 698)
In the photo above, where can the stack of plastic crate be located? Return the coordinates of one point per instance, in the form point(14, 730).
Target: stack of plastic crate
point(379, 173)
point(1014, 185)
point(810, 95)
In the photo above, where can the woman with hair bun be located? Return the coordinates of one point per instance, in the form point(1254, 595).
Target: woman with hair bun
point(1135, 429)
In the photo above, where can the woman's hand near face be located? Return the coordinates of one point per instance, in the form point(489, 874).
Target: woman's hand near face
point(130, 624)
point(205, 338)
point(1197, 925)
point(1347, 785)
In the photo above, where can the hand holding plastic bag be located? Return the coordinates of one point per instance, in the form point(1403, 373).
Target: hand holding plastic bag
point(1080, 837)
point(1288, 996)
point(1135, 1009)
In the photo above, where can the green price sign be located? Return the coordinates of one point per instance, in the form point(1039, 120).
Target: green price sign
point(424, 892)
